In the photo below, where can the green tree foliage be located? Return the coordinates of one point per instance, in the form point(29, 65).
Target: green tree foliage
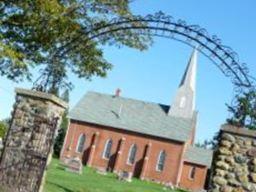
point(52, 36)
point(209, 144)
point(3, 129)
point(204, 144)
point(244, 111)
point(59, 140)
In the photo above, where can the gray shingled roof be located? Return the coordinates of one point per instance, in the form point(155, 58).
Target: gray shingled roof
point(137, 116)
point(199, 156)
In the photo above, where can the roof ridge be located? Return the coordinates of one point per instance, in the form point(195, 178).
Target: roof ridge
point(127, 98)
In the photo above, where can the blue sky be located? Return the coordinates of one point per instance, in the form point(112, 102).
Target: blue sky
point(154, 75)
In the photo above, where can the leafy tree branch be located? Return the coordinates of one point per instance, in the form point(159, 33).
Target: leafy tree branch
point(243, 110)
point(52, 35)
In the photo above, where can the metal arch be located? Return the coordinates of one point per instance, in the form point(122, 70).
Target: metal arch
point(162, 25)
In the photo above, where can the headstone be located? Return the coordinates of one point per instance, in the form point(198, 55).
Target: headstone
point(125, 176)
point(168, 186)
point(74, 165)
point(101, 171)
point(35, 119)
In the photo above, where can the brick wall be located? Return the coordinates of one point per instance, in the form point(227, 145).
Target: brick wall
point(146, 157)
point(198, 181)
point(173, 150)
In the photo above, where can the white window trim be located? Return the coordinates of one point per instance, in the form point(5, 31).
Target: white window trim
point(130, 150)
point(157, 163)
point(105, 148)
point(78, 143)
point(191, 169)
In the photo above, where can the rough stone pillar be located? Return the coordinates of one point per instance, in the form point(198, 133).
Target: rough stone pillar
point(145, 162)
point(35, 118)
point(92, 151)
point(234, 162)
point(119, 155)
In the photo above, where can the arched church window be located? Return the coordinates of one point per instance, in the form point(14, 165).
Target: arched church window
point(192, 173)
point(107, 149)
point(182, 102)
point(161, 161)
point(132, 154)
point(80, 143)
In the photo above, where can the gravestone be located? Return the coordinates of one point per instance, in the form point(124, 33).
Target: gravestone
point(74, 165)
point(234, 165)
point(125, 176)
point(102, 171)
point(35, 119)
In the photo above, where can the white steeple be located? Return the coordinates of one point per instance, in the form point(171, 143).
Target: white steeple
point(184, 102)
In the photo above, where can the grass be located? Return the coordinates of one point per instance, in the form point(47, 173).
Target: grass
point(58, 180)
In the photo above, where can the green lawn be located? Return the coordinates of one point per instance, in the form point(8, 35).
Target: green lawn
point(58, 180)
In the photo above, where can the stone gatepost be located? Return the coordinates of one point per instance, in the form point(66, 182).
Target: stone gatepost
point(35, 119)
point(234, 166)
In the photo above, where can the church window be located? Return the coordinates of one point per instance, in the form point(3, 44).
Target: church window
point(80, 143)
point(132, 154)
point(182, 102)
point(192, 173)
point(107, 149)
point(161, 161)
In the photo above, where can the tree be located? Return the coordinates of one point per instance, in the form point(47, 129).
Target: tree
point(52, 36)
point(209, 144)
point(243, 111)
point(59, 140)
point(3, 129)
point(205, 144)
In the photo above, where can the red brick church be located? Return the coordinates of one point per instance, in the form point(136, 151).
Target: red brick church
point(150, 140)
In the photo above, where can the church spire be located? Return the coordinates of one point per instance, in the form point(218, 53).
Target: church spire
point(184, 102)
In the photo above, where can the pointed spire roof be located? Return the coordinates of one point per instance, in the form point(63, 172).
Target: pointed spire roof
point(184, 102)
point(189, 76)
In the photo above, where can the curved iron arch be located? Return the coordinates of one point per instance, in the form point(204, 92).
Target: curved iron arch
point(162, 25)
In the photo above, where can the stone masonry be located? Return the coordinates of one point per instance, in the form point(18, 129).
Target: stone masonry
point(234, 167)
point(35, 118)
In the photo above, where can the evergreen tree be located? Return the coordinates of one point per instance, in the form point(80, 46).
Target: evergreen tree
point(204, 144)
point(59, 140)
point(244, 111)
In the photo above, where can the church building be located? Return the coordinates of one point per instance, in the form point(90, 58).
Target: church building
point(151, 141)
